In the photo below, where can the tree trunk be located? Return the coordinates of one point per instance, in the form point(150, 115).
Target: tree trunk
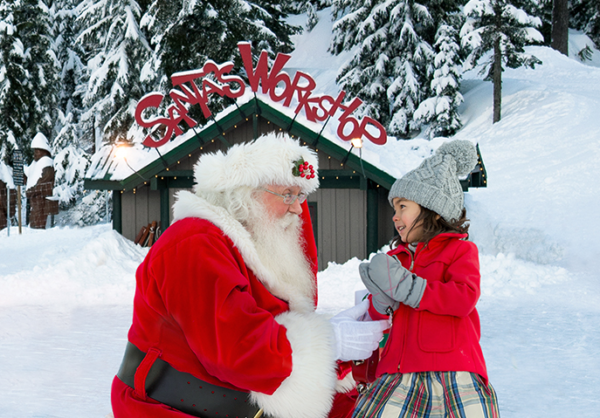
point(497, 79)
point(560, 26)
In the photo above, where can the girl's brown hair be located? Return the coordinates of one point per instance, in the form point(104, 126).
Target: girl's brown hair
point(433, 225)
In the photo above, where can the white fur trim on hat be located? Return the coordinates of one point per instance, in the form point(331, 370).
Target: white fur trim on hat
point(269, 159)
point(40, 142)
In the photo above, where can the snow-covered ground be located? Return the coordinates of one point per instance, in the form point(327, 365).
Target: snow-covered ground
point(66, 293)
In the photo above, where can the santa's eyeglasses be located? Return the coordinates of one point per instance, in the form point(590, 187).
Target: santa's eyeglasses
point(289, 198)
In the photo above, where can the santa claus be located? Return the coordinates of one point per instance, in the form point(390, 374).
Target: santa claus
point(224, 321)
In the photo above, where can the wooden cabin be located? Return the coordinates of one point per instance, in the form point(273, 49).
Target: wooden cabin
point(350, 211)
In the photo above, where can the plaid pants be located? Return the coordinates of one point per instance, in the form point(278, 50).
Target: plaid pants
point(428, 395)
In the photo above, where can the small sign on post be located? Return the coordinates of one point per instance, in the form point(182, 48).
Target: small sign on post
point(18, 180)
point(18, 168)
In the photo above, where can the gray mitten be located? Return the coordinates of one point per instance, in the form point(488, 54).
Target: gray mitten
point(385, 277)
point(381, 300)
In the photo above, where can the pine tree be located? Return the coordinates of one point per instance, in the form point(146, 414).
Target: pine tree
point(71, 150)
point(28, 75)
point(542, 9)
point(13, 106)
point(184, 35)
point(443, 12)
point(392, 65)
point(311, 16)
point(310, 7)
point(585, 16)
point(499, 27)
point(34, 30)
point(115, 51)
point(69, 55)
point(301, 6)
point(440, 111)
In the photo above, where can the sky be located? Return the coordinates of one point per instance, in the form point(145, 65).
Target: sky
point(66, 293)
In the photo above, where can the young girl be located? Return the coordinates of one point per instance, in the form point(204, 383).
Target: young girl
point(432, 364)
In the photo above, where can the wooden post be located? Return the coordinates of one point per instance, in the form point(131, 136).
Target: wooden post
point(165, 210)
point(19, 207)
point(117, 218)
point(372, 219)
point(255, 125)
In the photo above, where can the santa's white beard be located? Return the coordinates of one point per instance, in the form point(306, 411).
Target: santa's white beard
point(280, 248)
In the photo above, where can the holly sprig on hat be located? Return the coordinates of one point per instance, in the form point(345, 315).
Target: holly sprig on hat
point(303, 169)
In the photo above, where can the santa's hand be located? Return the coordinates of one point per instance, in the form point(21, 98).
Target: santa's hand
point(355, 339)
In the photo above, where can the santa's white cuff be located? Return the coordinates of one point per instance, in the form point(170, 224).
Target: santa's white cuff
point(308, 391)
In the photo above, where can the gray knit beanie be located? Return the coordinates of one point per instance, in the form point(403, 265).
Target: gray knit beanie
point(434, 184)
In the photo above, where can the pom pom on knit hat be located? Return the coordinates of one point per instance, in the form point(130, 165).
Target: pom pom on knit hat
point(435, 184)
point(463, 152)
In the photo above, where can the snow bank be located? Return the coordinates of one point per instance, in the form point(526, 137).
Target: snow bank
point(67, 267)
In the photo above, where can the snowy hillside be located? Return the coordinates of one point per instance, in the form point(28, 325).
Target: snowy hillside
point(542, 160)
point(66, 293)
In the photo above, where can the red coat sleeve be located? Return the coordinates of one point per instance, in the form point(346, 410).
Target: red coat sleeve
point(455, 293)
point(210, 299)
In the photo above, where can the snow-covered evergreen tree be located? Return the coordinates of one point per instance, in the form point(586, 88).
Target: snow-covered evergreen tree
point(78, 206)
point(115, 52)
point(69, 55)
point(70, 147)
point(497, 26)
point(310, 7)
point(543, 10)
point(300, 6)
point(311, 16)
point(91, 209)
point(392, 65)
point(185, 34)
point(440, 111)
point(585, 16)
point(13, 89)
point(70, 162)
point(33, 25)
point(443, 12)
point(28, 85)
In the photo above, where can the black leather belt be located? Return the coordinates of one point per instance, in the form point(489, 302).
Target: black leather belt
point(185, 392)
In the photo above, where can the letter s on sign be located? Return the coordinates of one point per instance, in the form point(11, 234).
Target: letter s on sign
point(152, 100)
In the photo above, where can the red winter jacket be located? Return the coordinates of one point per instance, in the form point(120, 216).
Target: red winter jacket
point(207, 303)
point(443, 333)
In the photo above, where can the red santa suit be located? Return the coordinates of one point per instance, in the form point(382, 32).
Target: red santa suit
point(207, 304)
